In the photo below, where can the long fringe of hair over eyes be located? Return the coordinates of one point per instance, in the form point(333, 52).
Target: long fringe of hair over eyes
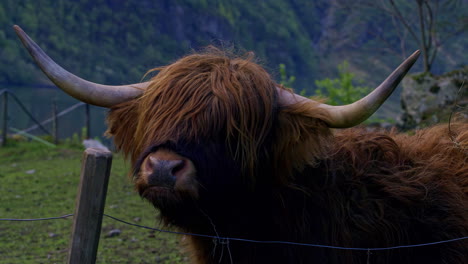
point(201, 96)
point(216, 95)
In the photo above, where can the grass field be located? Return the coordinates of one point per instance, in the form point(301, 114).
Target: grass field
point(37, 181)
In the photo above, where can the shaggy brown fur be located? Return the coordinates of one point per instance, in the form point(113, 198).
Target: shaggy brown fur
point(196, 96)
point(216, 94)
point(407, 189)
point(306, 183)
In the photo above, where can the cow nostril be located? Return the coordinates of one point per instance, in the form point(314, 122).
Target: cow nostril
point(165, 168)
point(178, 166)
point(163, 172)
point(169, 171)
point(168, 167)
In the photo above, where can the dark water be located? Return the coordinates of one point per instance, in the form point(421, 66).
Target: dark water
point(39, 102)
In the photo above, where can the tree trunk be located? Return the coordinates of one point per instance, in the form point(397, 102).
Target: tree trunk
point(423, 44)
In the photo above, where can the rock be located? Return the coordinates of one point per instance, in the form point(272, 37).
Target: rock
point(114, 233)
point(31, 171)
point(427, 99)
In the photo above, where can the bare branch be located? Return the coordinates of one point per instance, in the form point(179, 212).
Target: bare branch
point(422, 27)
point(421, 23)
point(430, 29)
point(401, 35)
point(430, 26)
point(390, 47)
point(433, 56)
point(403, 20)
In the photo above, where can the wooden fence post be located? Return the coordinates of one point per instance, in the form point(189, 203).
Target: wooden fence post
point(5, 118)
point(89, 210)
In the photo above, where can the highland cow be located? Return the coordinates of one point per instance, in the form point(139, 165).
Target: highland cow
point(221, 149)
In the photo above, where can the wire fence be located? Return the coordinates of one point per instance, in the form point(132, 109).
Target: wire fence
point(225, 240)
point(217, 239)
point(6, 126)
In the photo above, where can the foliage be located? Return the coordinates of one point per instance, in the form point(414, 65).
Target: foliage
point(76, 140)
point(401, 26)
point(338, 91)
point(286, 80)
point(341, 90)
point(118, 42)
point(38, 181)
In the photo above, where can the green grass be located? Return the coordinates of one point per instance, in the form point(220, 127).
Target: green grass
point(37, 181)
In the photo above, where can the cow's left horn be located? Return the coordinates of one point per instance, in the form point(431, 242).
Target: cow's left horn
point(353, 114)
point(88, 92)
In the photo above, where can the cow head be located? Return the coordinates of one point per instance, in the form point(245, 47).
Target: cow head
point(212, 120)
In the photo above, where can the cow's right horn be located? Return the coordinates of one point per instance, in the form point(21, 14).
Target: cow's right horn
point(88, 92)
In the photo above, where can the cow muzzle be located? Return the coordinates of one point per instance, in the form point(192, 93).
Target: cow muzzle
point(165, 169)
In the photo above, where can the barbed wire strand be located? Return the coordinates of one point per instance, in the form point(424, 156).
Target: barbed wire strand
point(36, 219)
point(250, 240)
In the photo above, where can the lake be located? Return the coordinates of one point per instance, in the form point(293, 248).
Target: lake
point(39, 102)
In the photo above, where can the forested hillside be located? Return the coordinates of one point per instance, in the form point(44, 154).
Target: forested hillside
point(117, 41)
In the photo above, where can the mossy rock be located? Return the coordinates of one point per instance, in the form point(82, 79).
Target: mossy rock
point(427, 99)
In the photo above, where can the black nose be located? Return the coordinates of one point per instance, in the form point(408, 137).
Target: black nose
point(164, 172)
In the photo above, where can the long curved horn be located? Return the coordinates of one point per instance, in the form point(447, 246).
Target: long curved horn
point(88, 92)
point(352, 114)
